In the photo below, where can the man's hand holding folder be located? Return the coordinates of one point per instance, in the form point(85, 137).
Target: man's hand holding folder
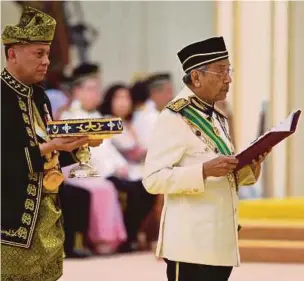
point(264, 143)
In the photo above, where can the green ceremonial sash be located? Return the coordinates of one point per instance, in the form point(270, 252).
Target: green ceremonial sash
point(196, 119)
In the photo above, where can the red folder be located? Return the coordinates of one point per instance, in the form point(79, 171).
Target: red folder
point(268, 140)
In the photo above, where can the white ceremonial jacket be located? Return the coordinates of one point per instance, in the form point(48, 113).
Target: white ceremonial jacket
point(199, 218)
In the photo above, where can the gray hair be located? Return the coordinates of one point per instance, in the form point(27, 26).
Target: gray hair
point(187, 78)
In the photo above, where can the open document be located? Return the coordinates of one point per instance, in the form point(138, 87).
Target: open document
point(268, 140)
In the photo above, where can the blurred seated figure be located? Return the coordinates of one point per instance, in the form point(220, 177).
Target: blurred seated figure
point(151, 96)
point(160, 90)
point(143, 111)
point(106, 226)
point(59, 94)
point(139, 94)
point(157, 90)
point(117, 102)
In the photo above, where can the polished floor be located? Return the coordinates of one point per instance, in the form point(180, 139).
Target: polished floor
point(144, 267)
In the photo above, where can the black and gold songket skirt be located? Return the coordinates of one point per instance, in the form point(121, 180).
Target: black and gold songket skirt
point(43, 261)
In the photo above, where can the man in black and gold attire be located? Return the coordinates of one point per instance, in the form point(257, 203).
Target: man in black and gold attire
point(31, 231)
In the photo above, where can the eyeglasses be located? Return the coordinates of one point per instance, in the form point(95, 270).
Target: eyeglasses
point(222, 74)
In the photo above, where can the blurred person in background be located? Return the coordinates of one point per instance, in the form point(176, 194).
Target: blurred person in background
point(32, 234)
point(140, 95)
point(59, 94)
point(159, 89)
point(106, 227)
point(160, 92)
point(75, 201)
point(118, 102)
point(87, 95)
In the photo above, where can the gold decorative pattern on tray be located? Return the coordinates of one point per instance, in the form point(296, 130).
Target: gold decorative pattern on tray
point(98, 128)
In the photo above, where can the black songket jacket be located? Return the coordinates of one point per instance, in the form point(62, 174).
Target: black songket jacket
point(22, 164)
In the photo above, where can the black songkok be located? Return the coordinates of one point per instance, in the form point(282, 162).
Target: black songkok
point(202, 53)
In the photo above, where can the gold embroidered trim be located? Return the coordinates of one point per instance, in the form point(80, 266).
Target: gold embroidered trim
point(29, 204)
point(29, 132)
point(15, 84)
point(206, 140)
point(22, 236)
point(30, 107)
point(92, 134)
point(26, 119)
point(205, 106)
point(28, 158)
point(27, 115)
point(178, 105)
point(53, 177)
point(32, 143)
point(34, 26)
point(31, 190)
point(28, 219)
point(75, 121)
point(21, 232)
point(200, 104)
point(22, 105)
point(231, 180)
point(203, 137)
point(38, 123)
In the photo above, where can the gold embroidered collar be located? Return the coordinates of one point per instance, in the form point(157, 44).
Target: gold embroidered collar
point(201, 105)
point(15, 84)
point(205, 107)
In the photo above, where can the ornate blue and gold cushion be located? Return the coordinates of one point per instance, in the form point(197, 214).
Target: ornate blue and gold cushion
point(97, 128)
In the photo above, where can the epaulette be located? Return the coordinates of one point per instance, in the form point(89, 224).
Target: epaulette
point(220, 112)
point(178, 105)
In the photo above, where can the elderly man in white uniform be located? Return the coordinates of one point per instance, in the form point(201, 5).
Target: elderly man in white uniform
point(190, 160)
